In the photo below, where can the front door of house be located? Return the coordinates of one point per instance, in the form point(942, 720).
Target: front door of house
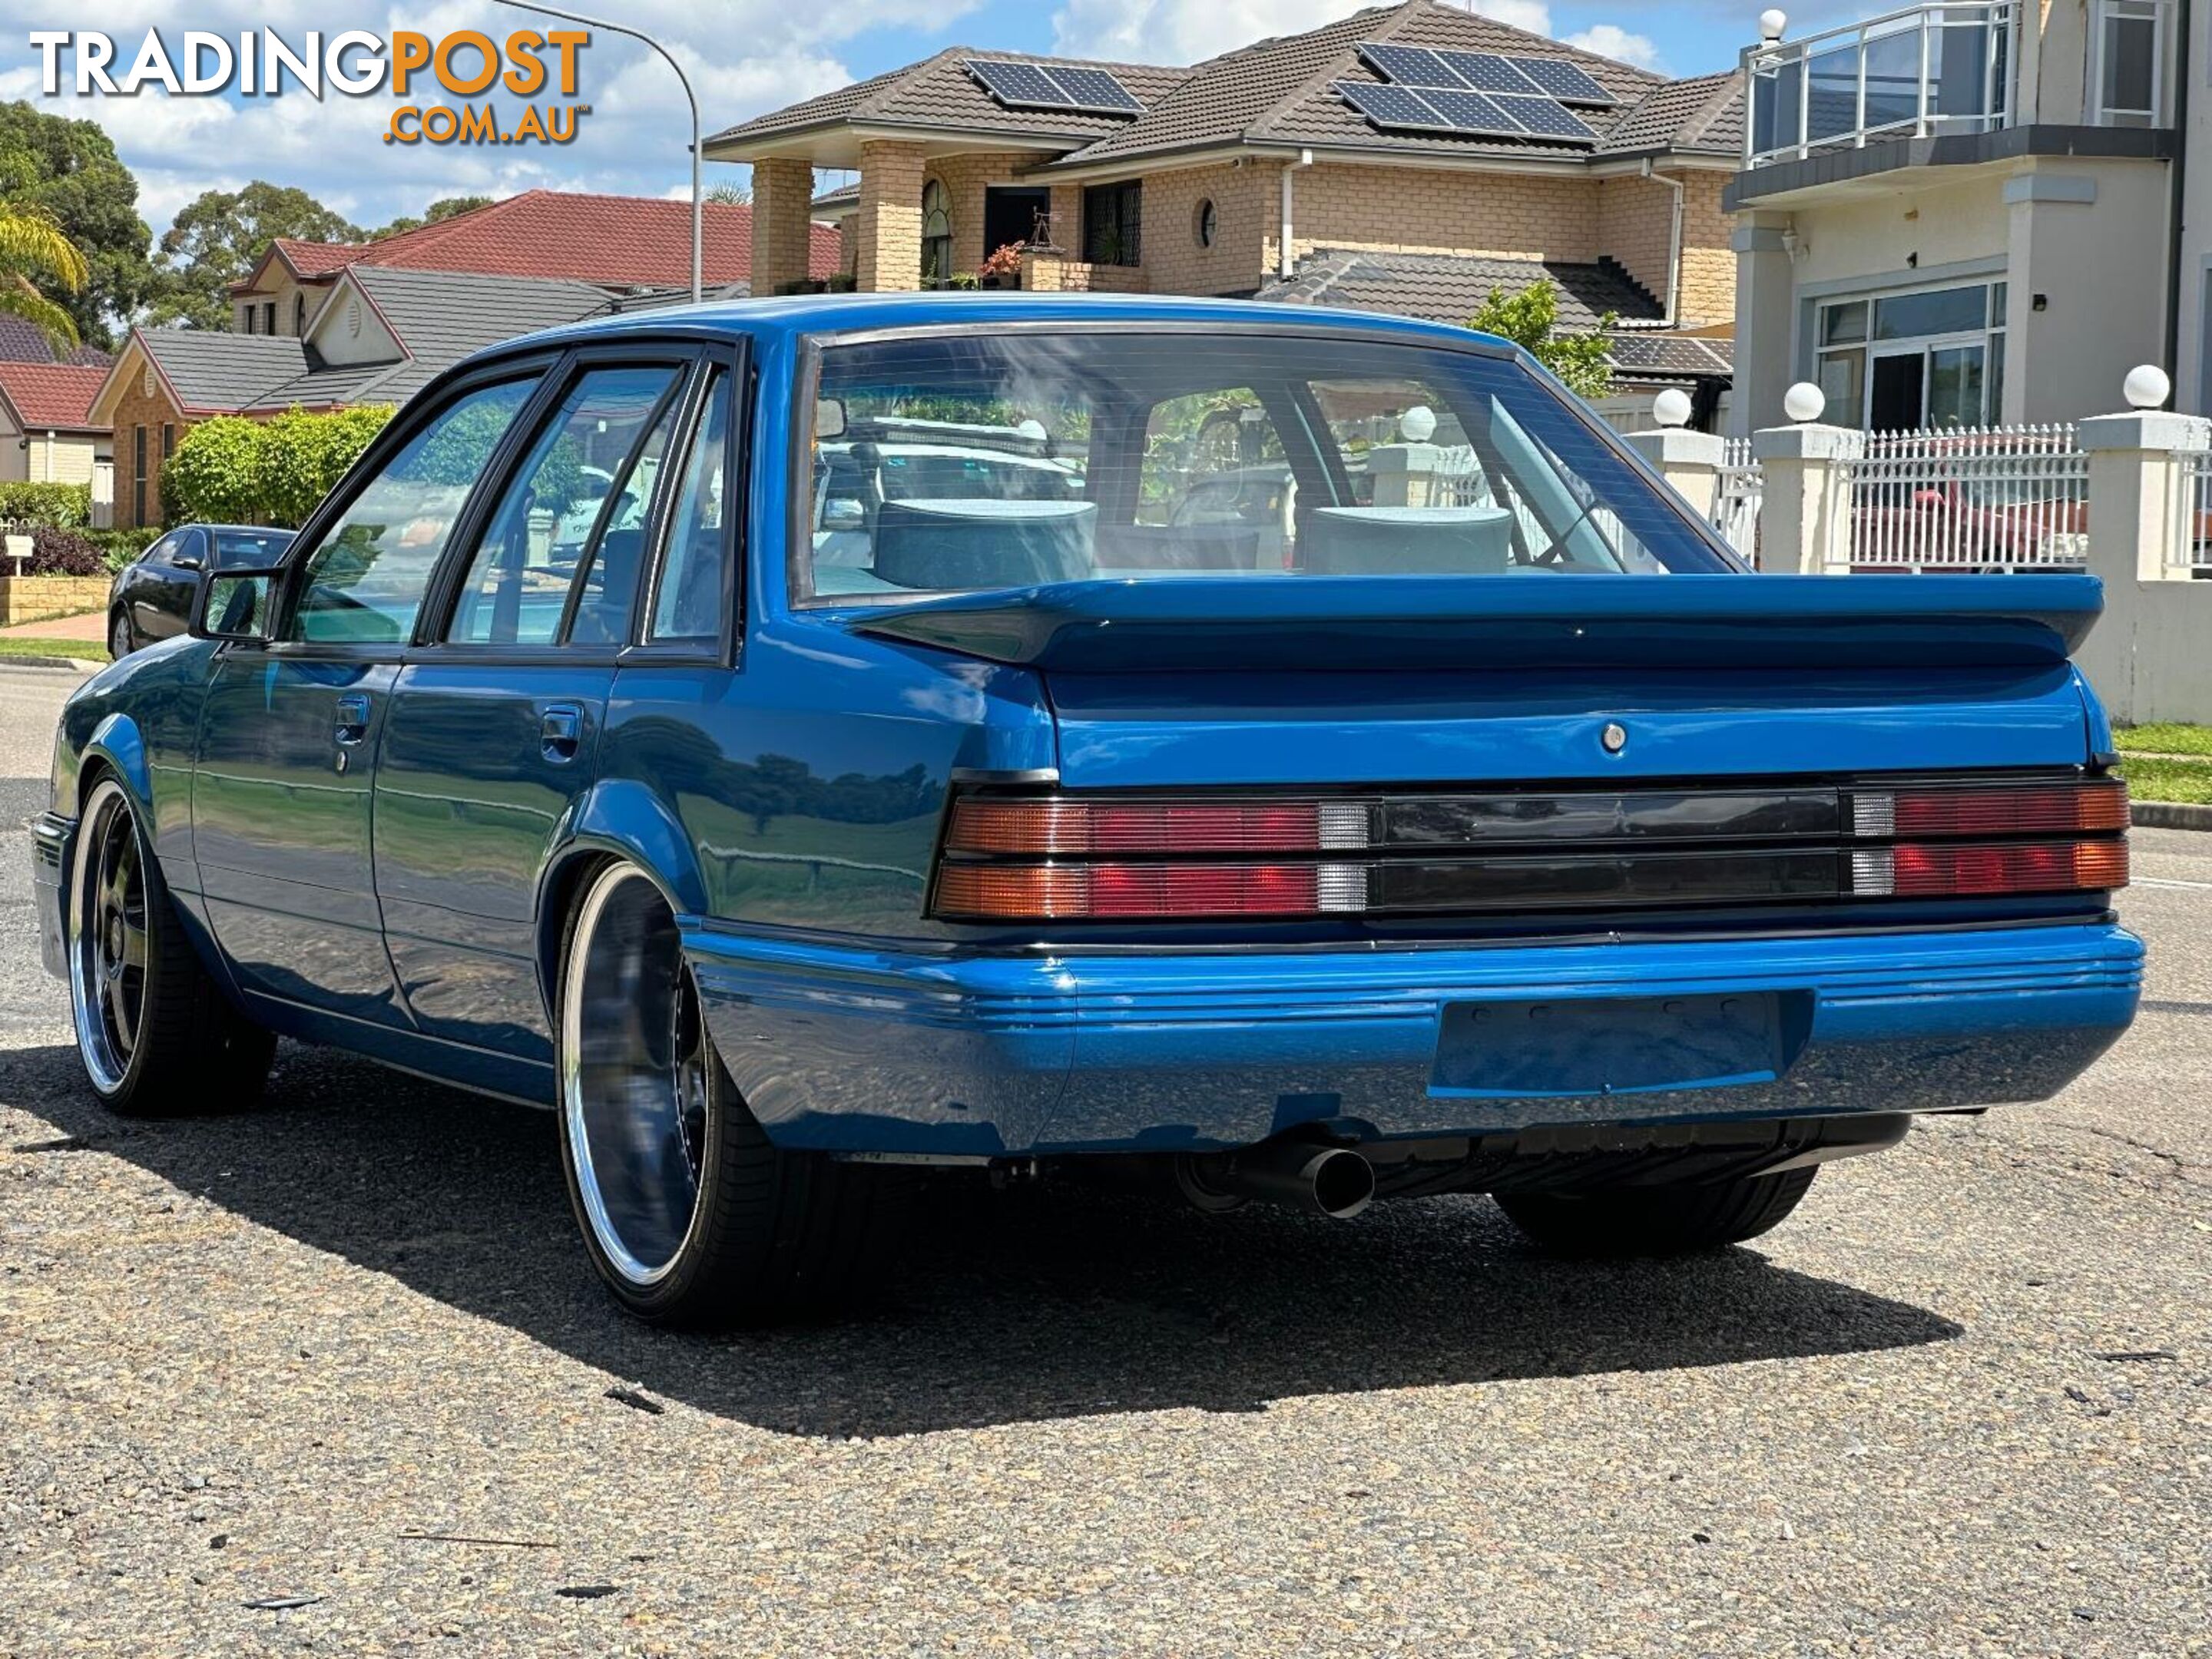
point(1928, 383)
point(1011, 214)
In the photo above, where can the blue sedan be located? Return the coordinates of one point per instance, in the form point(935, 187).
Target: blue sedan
point(803, 741)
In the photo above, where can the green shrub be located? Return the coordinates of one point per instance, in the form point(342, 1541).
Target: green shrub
point(214, 476)
point(234, 471)
point(65, 505)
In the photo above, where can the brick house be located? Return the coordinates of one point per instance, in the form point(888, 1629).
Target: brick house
point(47, 435)
point(377, 337)
point(1293, 169)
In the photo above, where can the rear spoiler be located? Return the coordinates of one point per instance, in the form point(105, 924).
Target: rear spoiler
point(1708, 622)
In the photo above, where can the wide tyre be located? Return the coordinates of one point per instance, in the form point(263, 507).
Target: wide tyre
point(1656, 1221)
point(688, 1212)
point(154, 1031)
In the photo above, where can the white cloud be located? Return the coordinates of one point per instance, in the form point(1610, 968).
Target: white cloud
point(1610, 41)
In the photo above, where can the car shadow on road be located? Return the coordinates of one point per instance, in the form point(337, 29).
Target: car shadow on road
point(1031, 1304)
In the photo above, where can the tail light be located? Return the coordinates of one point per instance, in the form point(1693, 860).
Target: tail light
point(1016, 857)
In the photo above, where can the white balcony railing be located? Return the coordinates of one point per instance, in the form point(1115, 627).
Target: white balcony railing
point(1937, 69)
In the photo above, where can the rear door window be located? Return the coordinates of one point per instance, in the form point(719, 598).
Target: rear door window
point(567, 533)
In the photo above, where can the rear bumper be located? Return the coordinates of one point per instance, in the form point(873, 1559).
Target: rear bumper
point(890, 1051)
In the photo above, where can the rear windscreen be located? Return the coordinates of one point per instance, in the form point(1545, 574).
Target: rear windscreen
point(969, 462)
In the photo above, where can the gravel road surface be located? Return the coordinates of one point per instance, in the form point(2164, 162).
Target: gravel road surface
point(344, 1352)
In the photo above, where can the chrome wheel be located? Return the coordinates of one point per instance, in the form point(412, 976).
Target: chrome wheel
point(107, 937)
point(119, 637)
point(635, 1076)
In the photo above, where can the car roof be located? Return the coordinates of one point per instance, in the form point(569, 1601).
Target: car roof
point(800, 315)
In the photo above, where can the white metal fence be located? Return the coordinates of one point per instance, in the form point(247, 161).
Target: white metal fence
point(2190, 547)
point(1968, 498)
point(1738, 490)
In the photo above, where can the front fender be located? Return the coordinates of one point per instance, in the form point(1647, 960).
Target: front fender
point(118, 744)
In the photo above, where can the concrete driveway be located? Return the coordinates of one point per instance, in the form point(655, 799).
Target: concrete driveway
point(344, 1353)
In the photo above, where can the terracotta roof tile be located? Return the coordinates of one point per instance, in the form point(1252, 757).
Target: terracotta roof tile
point(51, 395)
point(614, 241)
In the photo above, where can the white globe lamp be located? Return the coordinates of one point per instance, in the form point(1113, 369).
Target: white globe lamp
point(1671, 408)
point(1804, 402)
point(1418, 425)
point(2147, 387)
point(1771, 25)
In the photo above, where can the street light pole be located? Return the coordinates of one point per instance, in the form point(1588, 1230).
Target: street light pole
point(639, 34)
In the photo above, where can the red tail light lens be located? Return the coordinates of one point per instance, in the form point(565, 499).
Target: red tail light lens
point(1042, 891)
point(1942, 872)
point(1048, 827)
point(2018, 810)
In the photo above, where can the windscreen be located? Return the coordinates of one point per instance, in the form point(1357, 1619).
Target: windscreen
point(964, 463)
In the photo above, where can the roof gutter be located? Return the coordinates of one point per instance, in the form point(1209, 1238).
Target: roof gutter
point(1286, 260)
point(1672, 309)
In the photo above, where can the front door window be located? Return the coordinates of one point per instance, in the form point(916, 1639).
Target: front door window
point(936, 235)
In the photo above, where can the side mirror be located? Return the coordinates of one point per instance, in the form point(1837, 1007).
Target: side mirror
point(234, 605)
point(186, 562)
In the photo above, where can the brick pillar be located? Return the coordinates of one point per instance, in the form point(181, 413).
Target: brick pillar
point(889, 219)
point(1067, 219)
point(783, 188)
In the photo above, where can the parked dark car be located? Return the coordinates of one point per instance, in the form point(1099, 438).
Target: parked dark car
point(786, 823)
point(152, 597)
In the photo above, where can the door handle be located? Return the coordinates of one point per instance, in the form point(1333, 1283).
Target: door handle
point(351, 712)
point(560, 731)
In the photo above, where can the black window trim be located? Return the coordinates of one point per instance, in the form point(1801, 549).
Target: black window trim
point(737, 496)
point(442, 598)
point(537, 367)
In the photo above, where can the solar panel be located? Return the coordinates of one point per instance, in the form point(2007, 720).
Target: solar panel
point(1409, 66)
point(1095, 89)
point(1486, 71)
point(1470, 112)
point(1544, 118)
point(1562, 79)
point(1019, 86)
point(1393, 107)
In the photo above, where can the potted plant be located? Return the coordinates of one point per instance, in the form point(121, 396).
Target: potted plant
point(1004, 268)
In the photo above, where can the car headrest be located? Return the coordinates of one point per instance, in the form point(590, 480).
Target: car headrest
point(941, 546)
point(1367, 541)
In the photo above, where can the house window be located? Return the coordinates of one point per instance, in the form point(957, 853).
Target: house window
point(246, 317)
point(299, 316)
point(1930, 357)
point(2130, 72)
point(1205, 223)
point(168, 439)
point(1112, 222)
point(268, 318)
point(139, 475)
point(936, 235)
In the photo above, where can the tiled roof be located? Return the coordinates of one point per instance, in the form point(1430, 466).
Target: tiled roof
point(1441, 288)
point(22, 343)
point(220, 372)
point(1279, 91)
point(938, 93)
point(1703, 113)
point(51, 395)
point(616, 241)
point(439, 318)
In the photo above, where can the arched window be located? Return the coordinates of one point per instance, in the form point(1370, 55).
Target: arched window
point(299, 316)
point(936, 235)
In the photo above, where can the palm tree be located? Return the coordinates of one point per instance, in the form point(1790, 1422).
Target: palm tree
point(33, 245)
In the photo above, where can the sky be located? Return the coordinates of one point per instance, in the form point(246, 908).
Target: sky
point(743, 55)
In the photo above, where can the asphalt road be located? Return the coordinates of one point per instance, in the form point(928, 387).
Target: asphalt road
point(1961, 1404)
